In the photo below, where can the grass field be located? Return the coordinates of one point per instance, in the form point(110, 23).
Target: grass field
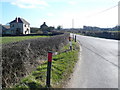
point(4, 40)
point(62, 67)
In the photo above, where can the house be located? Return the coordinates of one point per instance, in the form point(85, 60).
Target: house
point(19, 26)
point(44, 28)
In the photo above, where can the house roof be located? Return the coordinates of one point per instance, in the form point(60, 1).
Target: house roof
point(20, 20)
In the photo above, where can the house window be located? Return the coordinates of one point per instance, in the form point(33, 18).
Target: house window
point(25, 25)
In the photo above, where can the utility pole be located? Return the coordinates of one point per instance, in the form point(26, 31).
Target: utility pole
point(73, 27)
point(72, 23)
point(119, 13)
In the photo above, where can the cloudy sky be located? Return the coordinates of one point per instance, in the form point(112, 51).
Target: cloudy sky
point(101, 13)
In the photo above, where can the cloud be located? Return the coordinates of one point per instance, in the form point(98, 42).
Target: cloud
point(27, 3)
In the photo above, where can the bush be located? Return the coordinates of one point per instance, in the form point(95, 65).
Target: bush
point(20, 58)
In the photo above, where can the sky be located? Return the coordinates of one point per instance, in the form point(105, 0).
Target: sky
point(100, 13)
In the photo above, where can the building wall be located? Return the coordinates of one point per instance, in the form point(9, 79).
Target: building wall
point(15, 26)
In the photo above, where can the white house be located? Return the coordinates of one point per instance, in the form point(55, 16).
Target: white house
point(19, 26)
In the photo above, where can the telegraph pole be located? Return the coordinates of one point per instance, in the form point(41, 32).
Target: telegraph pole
point(72, 23)
point(73, 27)
point(119, 13)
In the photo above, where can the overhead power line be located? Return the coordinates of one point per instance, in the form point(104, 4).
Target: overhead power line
point(102, 11)
point(108, 9)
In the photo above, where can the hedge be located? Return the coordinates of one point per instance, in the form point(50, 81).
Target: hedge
point(20, 58)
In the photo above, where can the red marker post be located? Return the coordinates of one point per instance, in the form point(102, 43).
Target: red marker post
point(70, 41)
point(49, 69)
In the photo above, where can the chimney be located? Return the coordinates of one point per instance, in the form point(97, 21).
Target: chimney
point(17, 19)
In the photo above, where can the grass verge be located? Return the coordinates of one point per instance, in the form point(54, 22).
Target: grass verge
point(62, 67)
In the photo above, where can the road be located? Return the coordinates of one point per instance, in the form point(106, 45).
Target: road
point(98, 64)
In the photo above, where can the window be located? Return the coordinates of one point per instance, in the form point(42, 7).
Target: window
point(25, 25)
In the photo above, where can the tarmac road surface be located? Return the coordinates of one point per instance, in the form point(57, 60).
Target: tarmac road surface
point(98, 64)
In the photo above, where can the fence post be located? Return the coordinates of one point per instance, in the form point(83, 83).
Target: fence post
point(49, 69)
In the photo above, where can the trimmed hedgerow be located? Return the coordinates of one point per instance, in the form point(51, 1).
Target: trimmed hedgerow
point(62, 67)
point(20, 58)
